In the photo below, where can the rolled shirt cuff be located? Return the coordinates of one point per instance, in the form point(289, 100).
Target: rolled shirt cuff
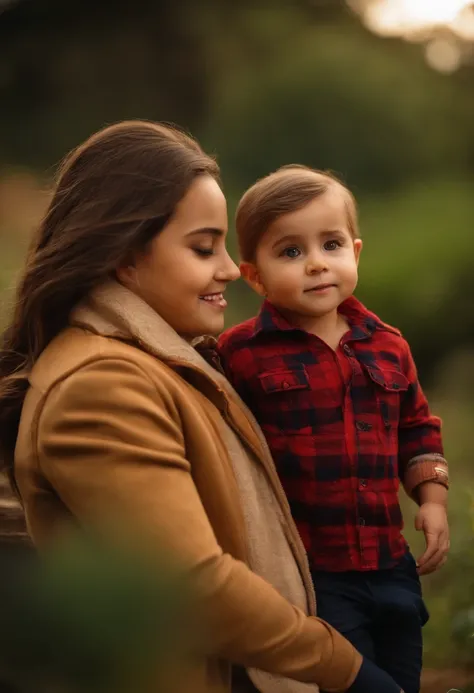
point(427, 467)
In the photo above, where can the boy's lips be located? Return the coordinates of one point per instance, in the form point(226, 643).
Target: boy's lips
point(215, 300)
point(320, 287)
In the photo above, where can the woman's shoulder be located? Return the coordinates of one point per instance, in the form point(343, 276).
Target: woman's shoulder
point(77, 350)
point(82, 377)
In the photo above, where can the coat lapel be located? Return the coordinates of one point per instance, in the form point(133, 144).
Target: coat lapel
point(114, 311)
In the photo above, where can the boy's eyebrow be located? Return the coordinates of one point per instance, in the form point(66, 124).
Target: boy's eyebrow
point(332, 232)
point(209, 230)
point(289, 238)
point(294, 237)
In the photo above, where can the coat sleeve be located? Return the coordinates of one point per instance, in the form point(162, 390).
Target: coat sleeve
point(111, 444)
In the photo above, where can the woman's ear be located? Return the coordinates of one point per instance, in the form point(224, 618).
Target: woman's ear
point(250, 273)
point(128, 276)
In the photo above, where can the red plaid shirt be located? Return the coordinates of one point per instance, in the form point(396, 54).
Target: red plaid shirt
point(344, 428)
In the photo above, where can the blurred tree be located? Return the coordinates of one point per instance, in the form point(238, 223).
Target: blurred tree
point(69, 68)
point(328, 94)
point(283, 82)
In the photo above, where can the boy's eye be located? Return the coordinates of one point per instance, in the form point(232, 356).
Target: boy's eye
point(291, 252)
point(204, 252)
point(332, 245)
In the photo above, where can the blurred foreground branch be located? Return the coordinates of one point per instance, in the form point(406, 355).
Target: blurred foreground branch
point(89, 617)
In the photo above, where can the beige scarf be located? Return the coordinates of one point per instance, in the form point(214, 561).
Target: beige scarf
point(115, 311)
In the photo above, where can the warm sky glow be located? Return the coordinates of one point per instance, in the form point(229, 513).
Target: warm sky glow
point(401, 17)
point(422, 20)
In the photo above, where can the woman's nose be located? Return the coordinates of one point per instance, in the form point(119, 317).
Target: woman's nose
point(229, 271)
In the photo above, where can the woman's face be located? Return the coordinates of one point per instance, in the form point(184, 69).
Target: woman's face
point(184, 272)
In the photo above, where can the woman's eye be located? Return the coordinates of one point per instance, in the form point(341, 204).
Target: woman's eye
point(204, 252)
point(332, 245)
point(291, 252)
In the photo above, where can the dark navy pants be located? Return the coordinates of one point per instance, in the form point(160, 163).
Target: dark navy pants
point(381, 613)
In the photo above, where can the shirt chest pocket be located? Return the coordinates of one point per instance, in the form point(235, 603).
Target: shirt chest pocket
point(390, 386)
point(284, 381)
point(285, 399)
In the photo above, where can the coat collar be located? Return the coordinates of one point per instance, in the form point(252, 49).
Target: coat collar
point(114, 311)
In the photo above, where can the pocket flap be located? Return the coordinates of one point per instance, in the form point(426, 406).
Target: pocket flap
point(284, 380)
point(392, 381)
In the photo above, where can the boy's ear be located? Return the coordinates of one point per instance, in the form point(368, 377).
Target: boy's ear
point(250, 274)
point(357, 248)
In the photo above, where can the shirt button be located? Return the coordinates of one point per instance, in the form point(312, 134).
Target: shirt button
point(361, 522)
point(347, 349)
point(363, 483)
point(363, 426)
point(285, 385)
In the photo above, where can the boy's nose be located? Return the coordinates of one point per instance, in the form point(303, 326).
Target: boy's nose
point(316, 264)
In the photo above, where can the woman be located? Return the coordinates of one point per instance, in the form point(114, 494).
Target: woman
point(109, 412)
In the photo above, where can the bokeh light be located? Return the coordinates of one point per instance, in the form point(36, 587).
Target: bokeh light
point(445, 26)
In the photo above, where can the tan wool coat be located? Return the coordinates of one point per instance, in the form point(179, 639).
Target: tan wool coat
point(123, 418)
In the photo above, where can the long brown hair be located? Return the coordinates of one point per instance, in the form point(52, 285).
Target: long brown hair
point(114, 193)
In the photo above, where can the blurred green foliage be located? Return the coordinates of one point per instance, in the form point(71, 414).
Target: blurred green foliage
point(91, 618)
point(264, 84)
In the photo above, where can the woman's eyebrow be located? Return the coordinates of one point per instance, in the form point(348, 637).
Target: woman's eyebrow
point(209, 230)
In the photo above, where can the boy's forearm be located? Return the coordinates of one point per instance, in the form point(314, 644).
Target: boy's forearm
point(432, 492)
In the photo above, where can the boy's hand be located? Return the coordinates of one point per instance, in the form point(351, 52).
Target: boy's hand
point(433, 520)
point(372, 679)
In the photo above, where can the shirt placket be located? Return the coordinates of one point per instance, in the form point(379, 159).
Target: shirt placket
point(354, 425)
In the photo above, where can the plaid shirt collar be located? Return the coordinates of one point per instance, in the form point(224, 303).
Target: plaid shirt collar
point(363, 323)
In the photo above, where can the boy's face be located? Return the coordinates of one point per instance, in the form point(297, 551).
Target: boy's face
point(306, 262)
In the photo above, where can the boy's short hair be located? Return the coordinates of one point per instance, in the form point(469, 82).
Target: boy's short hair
point(286, 190)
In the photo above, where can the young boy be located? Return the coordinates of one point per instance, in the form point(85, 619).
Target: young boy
point(336, 393)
